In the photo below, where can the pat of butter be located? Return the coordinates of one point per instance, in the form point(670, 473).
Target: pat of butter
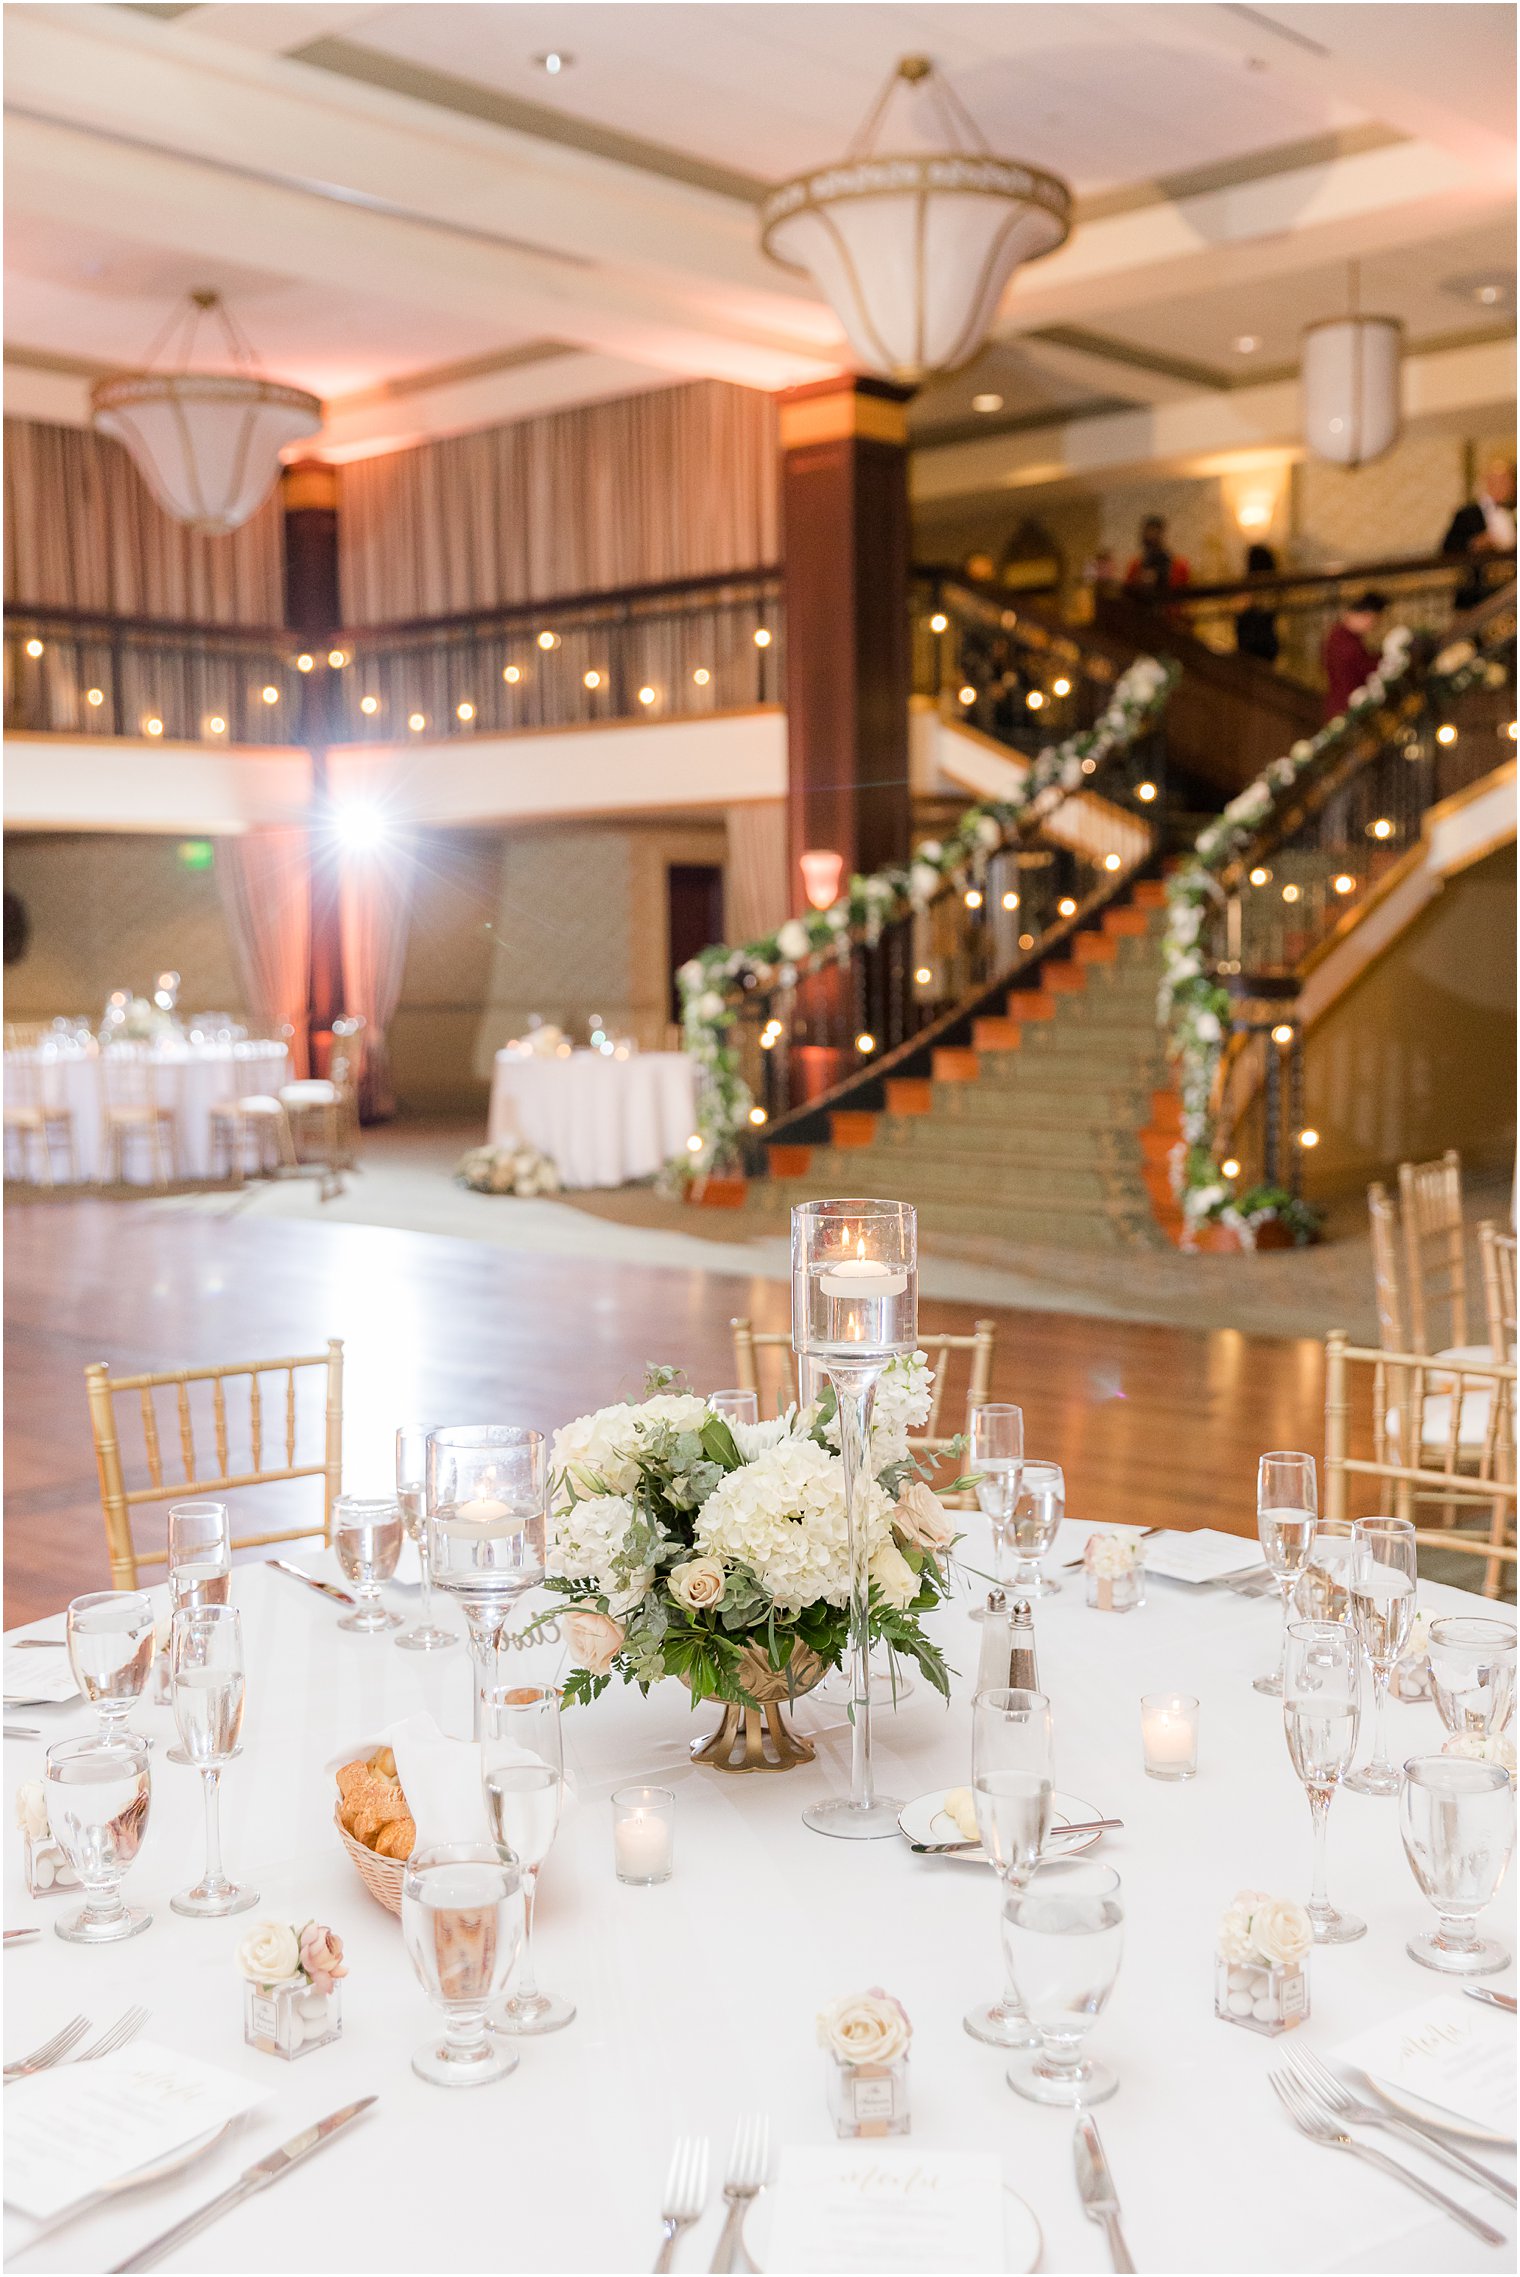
point(960, 1804)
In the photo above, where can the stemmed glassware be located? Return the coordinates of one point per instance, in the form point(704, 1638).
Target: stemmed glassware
point(1472, 1666)
point(523, 1773)
point(735, 1405)
point(425, 1634)
point(1063, 1933)
point(366, 1538)
point(1011, 1781)
point(854, 1308)
point(207, 1688)
point(110, 1636)
point(1322, 1591)
point(996, 1457)
point(1458, 1823)
point(1287, 1504)
point(1322, 1713)
point(462, 1919)
point(487, 1525)
point(1037, 1517)
point(97, 1806)
point(1384, 1566)
point(200, 1564)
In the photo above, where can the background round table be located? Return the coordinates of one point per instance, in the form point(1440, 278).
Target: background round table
point(191, 1079)
point(600, 1120)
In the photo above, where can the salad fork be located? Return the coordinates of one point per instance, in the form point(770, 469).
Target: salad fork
point(685, 2195)
point(115, 2036)
point(50, 2050)
point(1330, 2090)
point(1313, 2120)
point(748, 2165)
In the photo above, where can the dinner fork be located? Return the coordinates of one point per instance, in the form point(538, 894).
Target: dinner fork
point(748, 2164)
point(1331, 2090)
point(685, 2194)
point(115, 2036)
point(50, 2050)
point(1313, 2120)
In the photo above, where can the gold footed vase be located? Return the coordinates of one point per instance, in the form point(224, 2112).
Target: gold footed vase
point(759, 1738)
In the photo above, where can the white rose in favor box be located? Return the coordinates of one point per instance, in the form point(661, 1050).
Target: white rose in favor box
point(1110, 1555)
point(1281, 1932)
point(1234, 1937)
point(269, 1953)
point(31, 1809)
point(865, 2028)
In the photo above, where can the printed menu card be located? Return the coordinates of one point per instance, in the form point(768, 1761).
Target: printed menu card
point(1448, 2051)
point(858, 2207)
point(78, 2128)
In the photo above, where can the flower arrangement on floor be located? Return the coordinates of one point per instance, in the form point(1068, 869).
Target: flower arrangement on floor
point(513, 1167)
point(685, 1544)
point(138, 1020)
point(709, 982)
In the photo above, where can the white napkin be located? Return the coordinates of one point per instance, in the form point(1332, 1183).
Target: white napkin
point(440, 1778)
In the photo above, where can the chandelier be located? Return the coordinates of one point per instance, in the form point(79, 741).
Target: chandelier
point(207, 443)
point(913, 252)
point(1349, 373)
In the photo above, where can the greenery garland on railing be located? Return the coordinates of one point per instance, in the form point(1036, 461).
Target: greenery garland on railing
point(712, 984)
point(1194, 1007)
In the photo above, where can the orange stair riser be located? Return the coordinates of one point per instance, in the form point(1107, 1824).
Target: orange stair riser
point(909, 1095)
point(1030, 1004)
point(1064, 980)
point(790, 1161)
point(996, 1035)
point(849, 1130)
point(1150, 893)
point(1126, 924)
point(951, 1066)
point(1096, 949)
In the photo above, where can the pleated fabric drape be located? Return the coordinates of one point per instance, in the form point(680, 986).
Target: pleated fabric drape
point(374, 917)
point(83, 531)
point(756, 885)
point(679, 482)
point(264, 878)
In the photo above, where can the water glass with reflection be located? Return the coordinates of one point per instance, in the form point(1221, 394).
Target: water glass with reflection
point(1472, 1666)
point(1063, 1933)
point(1011, 1783)
point(1384, 1566)
point(97, 1804)
point(1458, 1823)
point(1037, 1516)
point(462, 1921)
point(366, 1537)
point(735, 1405)
point(996, 1459)
point(110, 1636)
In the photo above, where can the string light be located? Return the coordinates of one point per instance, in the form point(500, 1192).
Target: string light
point(1089, 766)
point(1035, 700)
point(646, 695)
point(939, 622)
point(305, 663)
point(34, 648)
point(757, 1116)
point(1382, 828)
point(512, 674)
point(968, 695)
point(1345, 883)
point(1260, 876)
point(369, 705)
point(762, 638)
point(1066, 906)
point(694, 1144)
point(1145, 791)
point(1510, 730)
point(153, 727)
point(1290, 893)
point(1111, 862)
point(923, 976)
point(972, 898)
point(1061, 687)
point(337, 658)
point(217, 725)
point(95, 696)
point(1026, 940)
point(865, 1042)
point(1230, 1169)
point(1282, 1033)
point(465, 711)
point(701, 676)
point(417, 722)
point(1446, 733)
point(1308, 1138)
point(1010, 901)
point(271, 694)
point(767, 1040)
point(547, 640)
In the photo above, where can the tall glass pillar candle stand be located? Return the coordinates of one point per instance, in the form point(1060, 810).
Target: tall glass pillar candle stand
point(854, 1308)
point(487, 1512)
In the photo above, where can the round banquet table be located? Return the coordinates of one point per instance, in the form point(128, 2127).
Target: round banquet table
point(600, 1120)
point(697, 1999)
point(191, 1078)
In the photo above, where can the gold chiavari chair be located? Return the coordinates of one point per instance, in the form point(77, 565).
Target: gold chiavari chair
point(258, 1125)
point(1438, 1435)
point(245, 1465)
point(34, 1116)
point(131, 1108)
point(24, 1035)
point(1435, 1259)
point(1497, 1252)
point(324, 1112)
point(938, 1345)
point(1383, 1224)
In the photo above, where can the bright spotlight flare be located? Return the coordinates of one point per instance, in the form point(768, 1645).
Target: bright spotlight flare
point(359, 825)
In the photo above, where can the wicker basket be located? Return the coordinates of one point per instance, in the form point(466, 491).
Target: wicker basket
point(380, 1876)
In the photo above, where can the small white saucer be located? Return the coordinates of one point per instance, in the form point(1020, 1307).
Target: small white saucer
point(925, 1819)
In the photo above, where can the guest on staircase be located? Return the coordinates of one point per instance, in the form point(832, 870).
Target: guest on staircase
point(1348, 659)
point(1483, 527)
point(1155, 570)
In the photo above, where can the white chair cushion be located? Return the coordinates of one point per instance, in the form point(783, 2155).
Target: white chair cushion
point(312, 1092)
point(1435, 1419)
point(259, 1103)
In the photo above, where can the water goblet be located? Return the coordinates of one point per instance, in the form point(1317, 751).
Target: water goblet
point(1287, 1504)
point(487, 1524)
point(1012, 1785)
point(996, 1458)
point(1384, 1566)
point(1472, 1665)
point(110, 1636)
point(426, 1634)
point(367, 1535)
point(1458, 1823)
point(523, 1773)
point(736, 1405)
point(1063, 1932)
point(1322, 1713)
point(97, 1805)
point(208, 1688)
point(462, 1921)
point(1037, 1516)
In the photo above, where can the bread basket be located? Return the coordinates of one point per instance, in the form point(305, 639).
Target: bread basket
point(381, 1876)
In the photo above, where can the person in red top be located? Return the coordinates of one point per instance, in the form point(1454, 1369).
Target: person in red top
point(1155, 569)
point(1348, 659)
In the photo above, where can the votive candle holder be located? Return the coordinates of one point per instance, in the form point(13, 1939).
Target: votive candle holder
point(1169, 1734)
point(644, 1835)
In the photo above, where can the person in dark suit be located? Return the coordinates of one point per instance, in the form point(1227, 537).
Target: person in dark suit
point(1484, 526)
point(1155, 570)
point(1348, 659)
point(1256, 626)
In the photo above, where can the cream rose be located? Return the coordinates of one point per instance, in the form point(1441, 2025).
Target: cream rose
point(594, 1638)
point(322, 1956)
point(270, 1953)
point(1235, 1926)
point(1281, 1931)
point(31, 1809)
point(893, 1575)
point(921, 1517)
point(865, 2028)
point(698, 1584)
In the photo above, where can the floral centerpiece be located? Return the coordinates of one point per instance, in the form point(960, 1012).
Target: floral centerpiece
point(136, 1020)
point(512, 1167)
point(291, 1979)
point(717, 1552)
point(1261, 1948)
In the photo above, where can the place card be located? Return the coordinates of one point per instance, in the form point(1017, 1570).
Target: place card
point(39, 1679)
point(1448, 2051)
point(78, 2128)
point(1204, 1555)
point(857, 2208)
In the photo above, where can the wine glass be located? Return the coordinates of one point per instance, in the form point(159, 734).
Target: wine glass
point(1287, 1503)
point(200, 1553)
point(997, 1457)
point(523, 1772)
point(736, 1405)
point(1037, 1516)
point(110, 1636)
point(1011, 1782)
point(207, 1689)
point(426, 1635)
point(366, 1534)
point(462, 1919)
point(97, 1806)
point(487, 1519)
point(1472, 1664)
point(1063, 1932)
point(1384, 1566)
point(1458, 1823)
point(1322, 1713)
point(1322, 1591)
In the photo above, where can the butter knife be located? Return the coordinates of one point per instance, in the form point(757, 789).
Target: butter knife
point(327, 1588)
point(1100, 2200)
point(257, 2177)
point(1504, 2000)
point(1078, 1826)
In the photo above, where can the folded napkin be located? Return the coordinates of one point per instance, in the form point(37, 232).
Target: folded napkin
point(440, 1778)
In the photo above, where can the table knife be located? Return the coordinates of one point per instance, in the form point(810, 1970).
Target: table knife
point(1504, 2000)
point(20, 1936)
point(327, 1588)
point(257, 2177)
point(1100, 2200)
point(1078, 1826)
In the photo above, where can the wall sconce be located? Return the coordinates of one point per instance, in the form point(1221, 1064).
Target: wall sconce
point(820, 876)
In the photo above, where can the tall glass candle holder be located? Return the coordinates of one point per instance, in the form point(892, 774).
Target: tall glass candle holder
point(487, 1518)
point(854, 1308)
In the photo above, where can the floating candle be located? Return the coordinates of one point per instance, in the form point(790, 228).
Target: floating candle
point(864, 1278)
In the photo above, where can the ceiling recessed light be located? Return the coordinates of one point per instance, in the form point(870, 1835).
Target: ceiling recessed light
point(554, 62)
point(986, 403)
point(1488, 294)
point(1247, 344)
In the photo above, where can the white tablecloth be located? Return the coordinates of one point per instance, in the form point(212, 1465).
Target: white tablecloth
point(192, 1079)
point(601, 1120)
point(697, 1999)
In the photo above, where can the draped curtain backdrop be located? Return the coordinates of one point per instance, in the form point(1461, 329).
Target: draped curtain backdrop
point(756, 884)
point(374, 917)
point(265, 882)
point(83, 531)
point(680, 482)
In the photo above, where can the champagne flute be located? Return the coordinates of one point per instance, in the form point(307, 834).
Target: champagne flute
point(110, 1637)
point(426, 1635)
point(1472, 1665)
point(1322, 1591)
point(462, 1918)
point(523, 1772)
point(1287, 1503)
point(206, 1673)
point(1458, 1823)
point(1037, 1516)
point(200, 1565)
point(997, 1458)
point(366, 1535)
point(1063, 1933)
point(1384, 1566)
point(1012, 1785)
point(97, 1806)
point(735, 1405)
point(1322, 1712)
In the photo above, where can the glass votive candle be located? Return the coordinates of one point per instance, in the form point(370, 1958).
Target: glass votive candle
point(643, 1834)
point(1169, 1731)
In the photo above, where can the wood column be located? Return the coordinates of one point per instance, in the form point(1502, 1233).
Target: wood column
point(844, 503)
point(309, 497)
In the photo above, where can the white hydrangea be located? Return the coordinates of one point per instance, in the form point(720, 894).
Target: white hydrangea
point(590, 1543)
point(783, 1516)
point(598, 1450)
point(753, 1439)
point(904, 1393)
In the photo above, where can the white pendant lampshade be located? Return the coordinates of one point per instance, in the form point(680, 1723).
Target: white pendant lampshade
point(1349, 371)
point(913, 251)
point(207, 443)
